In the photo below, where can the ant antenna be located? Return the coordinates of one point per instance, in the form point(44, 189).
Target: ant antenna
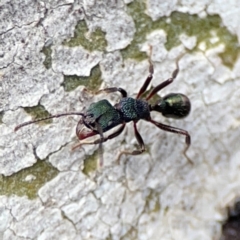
point(46, 118)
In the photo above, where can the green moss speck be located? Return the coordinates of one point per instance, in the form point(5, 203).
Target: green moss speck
point(152, 202)
point(192, 25)
point(132, 233)
point(91, 83)
point(17, 184)
point(91, 41)
point(47, 51)
point(1, 116)
point(91, 163)
point(38, 112)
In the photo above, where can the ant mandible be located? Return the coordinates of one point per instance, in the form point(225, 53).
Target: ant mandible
point(101, 116)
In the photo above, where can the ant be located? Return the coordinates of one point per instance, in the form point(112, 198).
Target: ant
point(101, 116)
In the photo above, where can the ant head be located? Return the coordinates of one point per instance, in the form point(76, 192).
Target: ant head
point(173, 105)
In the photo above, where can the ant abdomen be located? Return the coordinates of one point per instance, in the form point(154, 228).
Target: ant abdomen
point(173, 105)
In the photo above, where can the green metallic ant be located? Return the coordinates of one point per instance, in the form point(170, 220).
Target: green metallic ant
point(101, 116)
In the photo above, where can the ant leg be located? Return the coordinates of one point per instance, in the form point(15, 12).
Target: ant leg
point(100, 147)
point(166, 82)
point(149, 78)
point(100, 140)
point(113, 89)
point(178, 131)
point(140, 142)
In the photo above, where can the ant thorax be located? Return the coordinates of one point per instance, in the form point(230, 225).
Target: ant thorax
point(103, 113)
point(133, 109)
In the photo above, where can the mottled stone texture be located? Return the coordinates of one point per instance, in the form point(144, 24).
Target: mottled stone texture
point(157, 195)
